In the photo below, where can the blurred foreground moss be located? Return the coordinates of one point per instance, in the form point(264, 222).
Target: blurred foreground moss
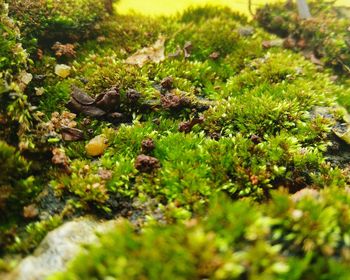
point(64, 21)
point(298, 237)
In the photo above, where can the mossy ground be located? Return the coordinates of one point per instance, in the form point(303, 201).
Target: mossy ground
point(247, 192)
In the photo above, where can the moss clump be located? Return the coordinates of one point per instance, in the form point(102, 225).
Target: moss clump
point(13, 78)
point(325, 34)
point(51, 21)
point(33, 234)
point(324, 38)
point(14, 177)
point(13, 57)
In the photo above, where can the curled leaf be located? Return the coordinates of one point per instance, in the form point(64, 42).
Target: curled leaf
point(71, 134)
point(104, 103)
point(81, 97)
point(109, 100)
point(91, 111)
point(187, 49)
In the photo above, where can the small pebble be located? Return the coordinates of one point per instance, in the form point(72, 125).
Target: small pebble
point(62, 70)
point(146, 164)
point(96, 146)
point(147, 145)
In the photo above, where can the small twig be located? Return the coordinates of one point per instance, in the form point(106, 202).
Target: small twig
point(250, 9)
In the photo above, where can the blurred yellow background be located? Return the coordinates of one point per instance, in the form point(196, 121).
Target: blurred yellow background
point(156, 7)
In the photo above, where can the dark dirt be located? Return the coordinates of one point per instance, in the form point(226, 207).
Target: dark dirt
point(146, 164)
point(133, 95)
point(172, 101)
point(167, 83)
point(187, 126)
point(147, 146)
point(339, 153)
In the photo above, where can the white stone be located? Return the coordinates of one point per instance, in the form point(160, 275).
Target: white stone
point(58, 247)
point(62, 70)
point(26, 77)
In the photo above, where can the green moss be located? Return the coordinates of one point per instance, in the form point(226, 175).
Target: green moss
point(50, 21)
point(15, 182)
point(251, 91)
point(258, 137)
point(17, 188)
point(13, 57)
point(34, 234)
point(202, 13)
point(14, 60)
point(325, 34)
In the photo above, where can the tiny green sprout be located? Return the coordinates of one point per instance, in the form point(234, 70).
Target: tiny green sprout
point(53, 140)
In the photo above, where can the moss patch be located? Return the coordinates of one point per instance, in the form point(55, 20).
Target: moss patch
point(219, 113)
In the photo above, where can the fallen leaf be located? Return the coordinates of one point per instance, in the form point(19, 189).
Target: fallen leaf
point(187, 49)
point(71, 134)
point(88, 110)
point(272, 43)
point(109, 100)
point(103, 104)
point(154, 53)
point(81, 97)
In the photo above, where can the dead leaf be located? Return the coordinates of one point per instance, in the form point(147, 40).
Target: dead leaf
point(187, 49)
point(71, 134)
point(214, 55)
point(104, 103)
point(81, 97)
point(88, 110)
point(272, 43)
point(154, 53)
point(109, 100)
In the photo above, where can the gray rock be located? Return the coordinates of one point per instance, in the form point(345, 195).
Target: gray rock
point(58, 247)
